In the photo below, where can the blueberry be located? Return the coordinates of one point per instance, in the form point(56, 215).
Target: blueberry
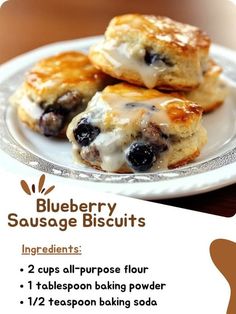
point(141, 156)
point(151, 58)
point(85, 133)
point(52, 121)
point(132, 105)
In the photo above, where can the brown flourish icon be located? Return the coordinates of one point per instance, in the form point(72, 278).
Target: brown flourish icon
point(223, 254)
point(41, 188)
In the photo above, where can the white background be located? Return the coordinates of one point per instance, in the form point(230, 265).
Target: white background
point(174, 244)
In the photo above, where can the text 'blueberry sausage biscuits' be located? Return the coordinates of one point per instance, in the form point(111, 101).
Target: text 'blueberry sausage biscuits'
point(131, 129)
point(55, 90)
point(153, 51)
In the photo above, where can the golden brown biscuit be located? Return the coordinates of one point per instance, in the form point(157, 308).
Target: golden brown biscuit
point(153, 51)
point(55, 90)
point(126, 129)
point(212, 92)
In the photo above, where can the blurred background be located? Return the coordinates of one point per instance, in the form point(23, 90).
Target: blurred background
point(28, 24)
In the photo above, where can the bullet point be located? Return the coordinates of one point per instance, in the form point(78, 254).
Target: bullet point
point(21, 269)
point(21, 302)
point(21, 286)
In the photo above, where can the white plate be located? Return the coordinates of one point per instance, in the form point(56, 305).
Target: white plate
point(216, 167)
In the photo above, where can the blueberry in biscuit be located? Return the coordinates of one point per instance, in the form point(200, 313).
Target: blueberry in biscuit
point(55, 90)
point(153, 51)
point(85, 133)
point(128, 129)
point(141, 156)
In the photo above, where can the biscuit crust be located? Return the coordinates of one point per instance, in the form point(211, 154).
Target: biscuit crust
point(161, 29)
point(66, 81)
point(67, 71)
point(181, 52)
point(124, 114)
point(212, 92)
point(183, 115)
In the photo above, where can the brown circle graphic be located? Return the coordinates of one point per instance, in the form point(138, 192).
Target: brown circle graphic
point(223, 254)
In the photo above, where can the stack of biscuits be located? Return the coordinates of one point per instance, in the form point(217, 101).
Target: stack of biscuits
point(135, 103)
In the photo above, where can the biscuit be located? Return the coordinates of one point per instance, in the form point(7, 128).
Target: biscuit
point(212, 92)
point(153, 51)
point(55, 90)
point(128, 129)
